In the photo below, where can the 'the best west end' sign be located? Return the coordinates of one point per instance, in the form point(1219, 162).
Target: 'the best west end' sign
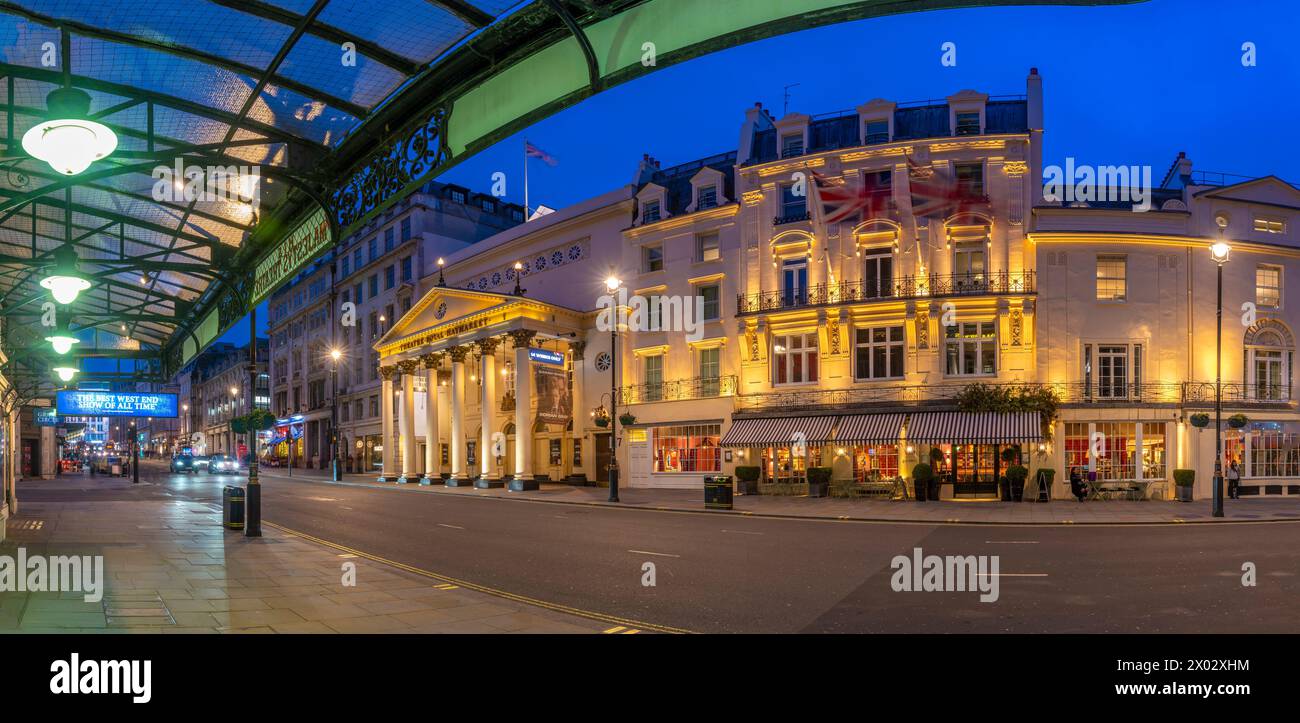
point(115, 404)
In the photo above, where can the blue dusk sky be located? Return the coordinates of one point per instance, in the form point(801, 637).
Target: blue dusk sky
point(1127, 84)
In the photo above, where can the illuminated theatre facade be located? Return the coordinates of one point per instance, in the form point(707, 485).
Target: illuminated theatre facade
point(847, 344)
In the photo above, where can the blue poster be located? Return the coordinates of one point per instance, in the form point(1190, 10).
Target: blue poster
point(116, 404)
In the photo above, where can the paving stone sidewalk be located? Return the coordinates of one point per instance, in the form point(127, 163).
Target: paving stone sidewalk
point(1258, 509)
point(172, 568)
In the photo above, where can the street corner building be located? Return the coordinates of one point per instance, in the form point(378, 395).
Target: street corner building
point(866, 281)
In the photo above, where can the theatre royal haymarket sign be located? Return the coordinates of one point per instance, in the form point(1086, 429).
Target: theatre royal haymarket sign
point(302, 245)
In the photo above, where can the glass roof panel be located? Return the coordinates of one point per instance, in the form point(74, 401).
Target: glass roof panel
point(317, 63)
point(413, 28)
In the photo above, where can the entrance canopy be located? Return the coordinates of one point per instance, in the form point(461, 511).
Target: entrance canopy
point(779, 431)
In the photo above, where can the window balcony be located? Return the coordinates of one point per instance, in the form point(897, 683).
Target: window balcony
point(904, 287)
point(694, 388)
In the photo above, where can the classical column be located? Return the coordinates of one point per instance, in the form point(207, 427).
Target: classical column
point(432, 458)
point(523, 479)
point(579, 414)
point(389, 473)
point(459, 476)
point(487, 462)
point(408, 368)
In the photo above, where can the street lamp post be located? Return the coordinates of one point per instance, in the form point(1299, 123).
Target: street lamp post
point(612, 284)
point(253, 491)
point(336, 471)
point(1219, 252)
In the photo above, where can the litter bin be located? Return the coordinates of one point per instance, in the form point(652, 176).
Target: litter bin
point(717, 492)
point(232, 508)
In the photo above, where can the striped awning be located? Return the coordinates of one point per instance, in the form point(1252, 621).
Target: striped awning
point(974, 427)
point(869, 429)
point(779, 431)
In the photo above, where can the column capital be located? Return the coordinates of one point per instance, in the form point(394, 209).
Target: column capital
point(522, 337)
point(489, 345)
point(578, 348)
point(387, 372)
point(408, 366)
point(458, 353)
point(432, 360)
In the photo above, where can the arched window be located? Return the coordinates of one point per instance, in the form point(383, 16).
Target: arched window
point(1268, 355)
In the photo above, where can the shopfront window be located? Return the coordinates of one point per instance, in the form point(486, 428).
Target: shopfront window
point(871, 463)
point(1274, 453)
point(1153, 450)
point(1116, 446)
point(687, 448)
point(1076, 446)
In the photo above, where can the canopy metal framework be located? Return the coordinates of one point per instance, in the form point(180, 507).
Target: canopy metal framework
point(344, 106)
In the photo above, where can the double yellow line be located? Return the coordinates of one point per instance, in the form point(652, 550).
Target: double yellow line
point(449, 583)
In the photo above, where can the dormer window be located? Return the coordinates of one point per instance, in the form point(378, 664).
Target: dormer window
point(791, 145)
point(649, 211)
point(968, 124)
point(707, 198)
point(876, 132)
point(489, 205)
point(457, 196)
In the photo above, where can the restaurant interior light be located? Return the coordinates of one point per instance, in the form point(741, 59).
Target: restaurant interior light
point(67, 139)
point(64, 281)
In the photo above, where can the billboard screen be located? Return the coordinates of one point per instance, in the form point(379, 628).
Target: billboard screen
point(116, 404)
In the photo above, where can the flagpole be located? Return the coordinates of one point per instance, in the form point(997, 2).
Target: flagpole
point(525, 179)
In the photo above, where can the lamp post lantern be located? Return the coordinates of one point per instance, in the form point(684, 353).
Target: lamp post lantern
point(1219, 252)
point(612, 285)
point(336, 472)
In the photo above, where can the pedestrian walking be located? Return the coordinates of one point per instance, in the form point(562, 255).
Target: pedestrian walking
point(1078, 487)
point(1234, 479)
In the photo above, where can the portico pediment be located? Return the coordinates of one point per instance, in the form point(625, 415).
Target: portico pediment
point(447, 313)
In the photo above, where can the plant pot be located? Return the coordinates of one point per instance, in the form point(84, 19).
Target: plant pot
point(1184, 493)
point(1004, 490)
point(818, 489)
point(919, 488)
point(933, 490)
point(1017, 490)
point(748, 486)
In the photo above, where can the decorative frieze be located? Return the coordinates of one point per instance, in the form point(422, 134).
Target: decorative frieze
point(569, 253)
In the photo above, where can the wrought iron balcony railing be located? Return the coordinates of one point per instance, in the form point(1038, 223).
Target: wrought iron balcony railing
point(696, 388)
point(791, 217)
point(1198, 394)
point(903, 287)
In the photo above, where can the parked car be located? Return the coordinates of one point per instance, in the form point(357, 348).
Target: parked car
point(222, 464)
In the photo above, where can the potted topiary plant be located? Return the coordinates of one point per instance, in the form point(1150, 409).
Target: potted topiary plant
point(921, 476)
point(1184, 480)
point(1237, 421)
point(1016, 476)
point(1200, 420)
point(748, 479)
point(819, 481)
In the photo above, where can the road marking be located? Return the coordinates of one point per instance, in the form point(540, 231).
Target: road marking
point(447, 586)
point(454, 527)
point(557, 607)
point(742, 532)
point(347, 555)
point(615, 629)
point(647, 552)
point(1011, 542)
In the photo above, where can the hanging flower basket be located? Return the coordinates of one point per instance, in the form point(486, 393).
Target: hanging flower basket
point(626, 419)
point(1200, 421)
point(1237, 421)
point(602, 421)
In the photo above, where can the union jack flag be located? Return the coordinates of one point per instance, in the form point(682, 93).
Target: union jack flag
point(532, 151)
point(938, 194)
point(843, 201)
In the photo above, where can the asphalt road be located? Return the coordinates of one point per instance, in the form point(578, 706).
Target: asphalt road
point(725, 573)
